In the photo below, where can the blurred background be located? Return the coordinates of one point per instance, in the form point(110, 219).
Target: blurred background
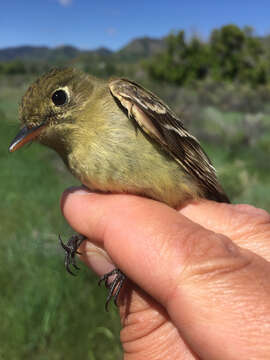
point(209, 60)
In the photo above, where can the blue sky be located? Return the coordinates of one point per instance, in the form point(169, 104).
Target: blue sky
point(89, 24)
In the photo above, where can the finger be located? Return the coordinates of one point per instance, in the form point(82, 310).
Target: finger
point(215, 292)
point(248, 226)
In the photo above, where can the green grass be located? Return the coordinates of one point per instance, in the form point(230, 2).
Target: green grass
point(240, 152)
point(244, 173)
point(45, 313)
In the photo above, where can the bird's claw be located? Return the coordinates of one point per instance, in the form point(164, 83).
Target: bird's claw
point(113, 286)
point(71, 250)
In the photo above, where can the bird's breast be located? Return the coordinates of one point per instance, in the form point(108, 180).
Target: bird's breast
point(129, 162)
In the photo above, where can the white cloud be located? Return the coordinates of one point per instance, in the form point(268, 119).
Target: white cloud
point(111, 31)
point(65, 2)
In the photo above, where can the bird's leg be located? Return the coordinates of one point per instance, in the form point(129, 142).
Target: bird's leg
point(113, 280)
point(71, 249)
point(114, 287)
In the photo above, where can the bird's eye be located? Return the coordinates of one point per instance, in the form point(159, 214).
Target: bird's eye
point(59, 97)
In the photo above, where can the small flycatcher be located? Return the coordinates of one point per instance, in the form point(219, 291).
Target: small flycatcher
point(115, 136)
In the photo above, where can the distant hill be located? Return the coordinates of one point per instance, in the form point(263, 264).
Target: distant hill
point(37, 53)
point(141, 48)
point(133, 51)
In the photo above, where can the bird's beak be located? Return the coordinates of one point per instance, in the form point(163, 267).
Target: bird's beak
point(24, 136)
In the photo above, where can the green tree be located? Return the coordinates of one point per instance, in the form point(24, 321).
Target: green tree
point(226, 46)
point(198, 59)
point(232, 54)
point(13, 67)
point(237, 55)
point(181, 62)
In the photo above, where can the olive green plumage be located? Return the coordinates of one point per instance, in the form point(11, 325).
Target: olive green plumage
point(116, 136)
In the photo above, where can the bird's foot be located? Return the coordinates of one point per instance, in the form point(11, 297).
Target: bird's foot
point(114, 287)
point(113, 280)
point(71, 249)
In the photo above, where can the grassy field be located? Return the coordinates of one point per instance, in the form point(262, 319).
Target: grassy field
point(47, 314)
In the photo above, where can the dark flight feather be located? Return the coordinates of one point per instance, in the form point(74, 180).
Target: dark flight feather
point(157, 120)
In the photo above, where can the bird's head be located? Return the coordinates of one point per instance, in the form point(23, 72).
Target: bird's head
point(51, 106)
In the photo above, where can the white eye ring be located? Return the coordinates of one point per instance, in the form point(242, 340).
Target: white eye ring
point(60, 96)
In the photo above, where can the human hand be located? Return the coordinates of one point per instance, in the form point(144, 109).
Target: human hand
point(198, 294)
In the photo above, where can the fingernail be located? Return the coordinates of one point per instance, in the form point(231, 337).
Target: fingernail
point(73, 190)
point(96, 258)
point(78, 190)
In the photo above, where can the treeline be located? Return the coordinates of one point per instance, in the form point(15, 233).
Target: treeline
point(17, 66)
point(231, 54)
point(12, 67)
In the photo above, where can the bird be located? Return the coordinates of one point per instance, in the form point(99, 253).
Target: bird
point(115, 136)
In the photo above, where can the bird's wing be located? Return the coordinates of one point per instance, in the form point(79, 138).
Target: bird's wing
point(158, 121)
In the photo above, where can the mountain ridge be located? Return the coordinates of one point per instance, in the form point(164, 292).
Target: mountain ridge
point(135, 49)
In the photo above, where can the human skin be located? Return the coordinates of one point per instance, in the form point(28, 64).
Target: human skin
point(200, 276)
